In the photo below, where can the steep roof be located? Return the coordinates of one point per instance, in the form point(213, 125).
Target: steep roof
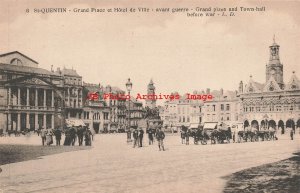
point(294, 83)
point(70, 72)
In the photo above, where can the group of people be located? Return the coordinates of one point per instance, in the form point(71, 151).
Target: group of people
point(138, 135)
point(71, 134)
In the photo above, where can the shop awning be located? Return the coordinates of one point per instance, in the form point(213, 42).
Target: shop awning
point(74, 122)
point(210, 125)
point(194, 125)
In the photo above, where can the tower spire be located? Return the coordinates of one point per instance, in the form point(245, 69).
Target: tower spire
point(274, 38)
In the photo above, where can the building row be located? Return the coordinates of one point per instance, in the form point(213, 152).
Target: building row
point(260, 105)
point(35, 98)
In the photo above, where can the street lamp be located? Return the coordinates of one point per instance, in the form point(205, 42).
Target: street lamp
point(128, 87)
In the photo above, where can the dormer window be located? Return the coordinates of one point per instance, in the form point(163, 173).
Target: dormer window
point(293, 86)
point(271, 88)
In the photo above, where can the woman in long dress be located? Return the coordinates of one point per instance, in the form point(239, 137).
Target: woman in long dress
point(68, 139)
point(88, 138)
point(49, 138)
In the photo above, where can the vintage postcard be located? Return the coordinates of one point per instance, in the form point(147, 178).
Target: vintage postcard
point(149, 96)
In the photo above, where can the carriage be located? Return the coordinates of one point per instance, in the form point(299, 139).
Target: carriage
point(217, 133)
point(256, 135)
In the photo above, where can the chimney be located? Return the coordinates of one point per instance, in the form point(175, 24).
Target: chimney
point(221, 91)
point(207, 91)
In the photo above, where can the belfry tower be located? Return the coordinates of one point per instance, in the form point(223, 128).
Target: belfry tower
point(151, 103)
point(274, 67)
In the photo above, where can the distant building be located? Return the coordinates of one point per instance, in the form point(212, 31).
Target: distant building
point(96, 113)
point(72, 92)
point(182, 112)
point(224, 108)
point(135, 112)
point(117, 109)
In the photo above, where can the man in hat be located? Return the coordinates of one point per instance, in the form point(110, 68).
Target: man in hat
point(57, 134)
point(141, 136)
point(80, 133)
point(160, 136)
point(73, 135)
point(43, 135)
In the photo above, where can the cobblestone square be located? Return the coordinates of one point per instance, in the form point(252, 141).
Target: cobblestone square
point(112, 165)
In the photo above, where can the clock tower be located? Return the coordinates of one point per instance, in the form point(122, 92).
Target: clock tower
point(274, 67)
point(151, 103)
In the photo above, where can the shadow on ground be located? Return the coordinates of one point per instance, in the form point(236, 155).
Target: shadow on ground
point(18, 153)
point(282, 176)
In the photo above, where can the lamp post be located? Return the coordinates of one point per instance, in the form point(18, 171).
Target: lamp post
point(128, 87)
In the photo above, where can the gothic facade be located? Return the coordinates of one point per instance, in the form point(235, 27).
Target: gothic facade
point(273, 103)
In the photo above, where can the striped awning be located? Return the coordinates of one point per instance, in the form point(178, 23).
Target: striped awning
point(74, 122)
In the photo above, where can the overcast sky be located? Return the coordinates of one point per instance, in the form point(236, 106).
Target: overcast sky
point(180, 53)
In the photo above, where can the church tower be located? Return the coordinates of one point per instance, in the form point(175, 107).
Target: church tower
point(151, 103)
point(274, 67)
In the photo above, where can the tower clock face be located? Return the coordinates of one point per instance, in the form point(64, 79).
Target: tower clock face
point(273, 71)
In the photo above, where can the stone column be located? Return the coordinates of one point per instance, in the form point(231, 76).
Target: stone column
point(68, 97)
point(36, 98)
point(92, 120)
point(45, 121)
point(77, 102)
point(27, 121)
point(45, 97)
point(9, 96)
point(27, 98)
point(52, 99)
point(52, 121)
point(8, 121)
point(19, 97)
point(19, 122)
point(36, 122)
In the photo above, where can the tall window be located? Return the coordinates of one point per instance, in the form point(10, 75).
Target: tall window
point(227, 107)
point(222, 107)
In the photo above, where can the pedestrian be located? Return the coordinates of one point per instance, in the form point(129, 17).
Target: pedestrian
point(150, 136)
point(141, 136)
point(160, 136)
point(135, 137)
point(73, 135)
point(292, 134)
point(87, 137)
point(128, 135)
point(182, 135)
point(233, 137)
point(57, 134)
point(187, 137)
point(68, 139)
point(43, 135)
point(80, 133)
point(49, 138)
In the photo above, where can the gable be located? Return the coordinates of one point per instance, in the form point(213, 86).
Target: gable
point(29, 80)
point(293, 84)
point(18, 59)
point(271, 85)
